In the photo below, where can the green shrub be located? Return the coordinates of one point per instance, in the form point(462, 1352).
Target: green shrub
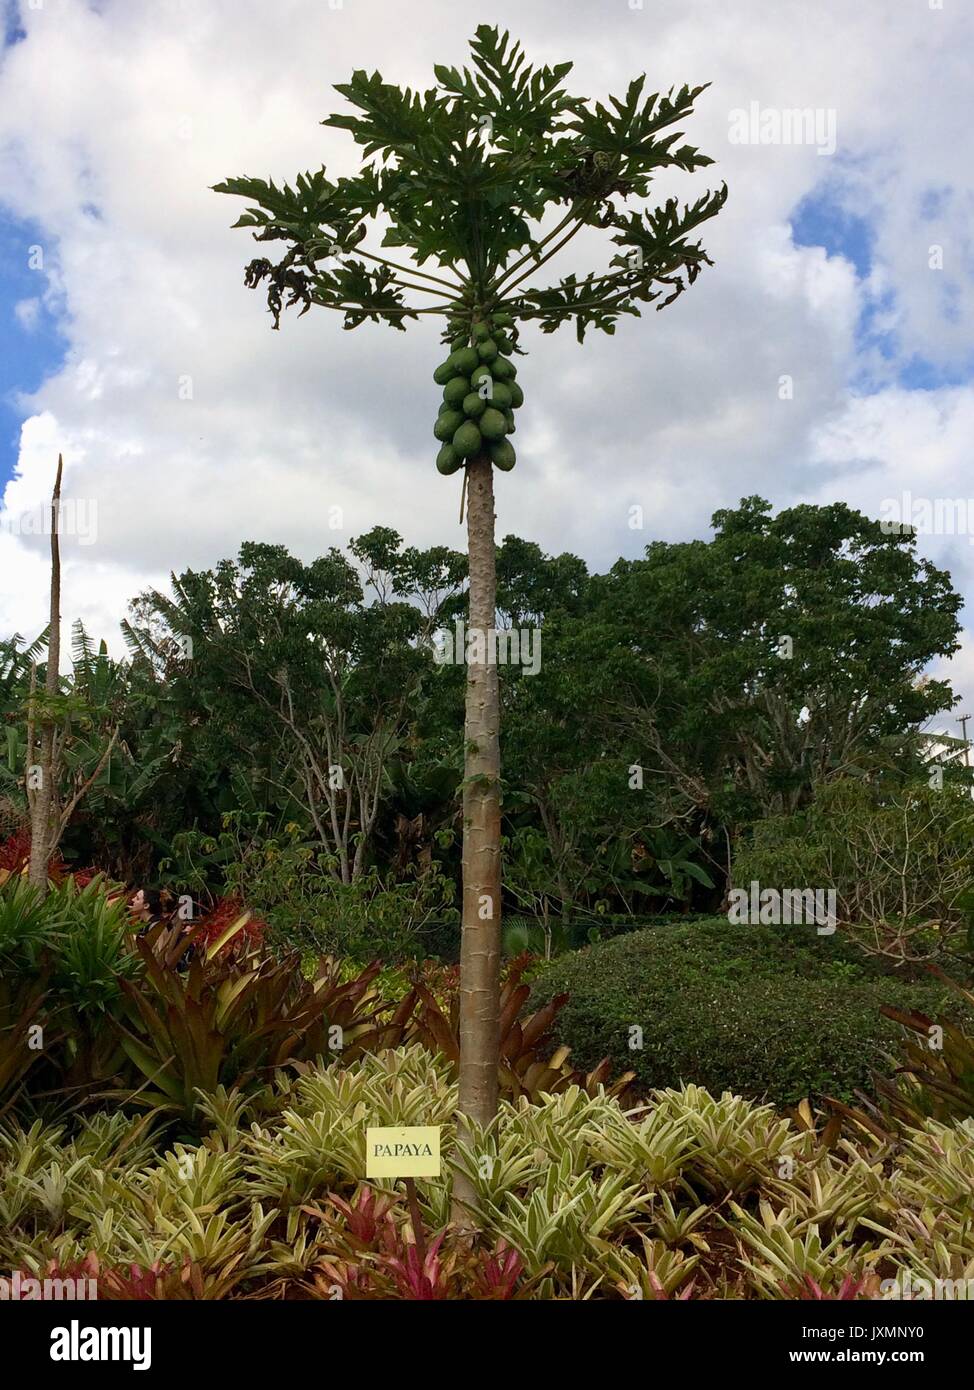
point(901, 862)
point(763, 1011)
point(291, 884)
point(366, 920)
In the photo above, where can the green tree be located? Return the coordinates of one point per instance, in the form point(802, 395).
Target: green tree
point(688, 694)
point(783, 653)
point(312, 686)
point(898, 853)
point(487, 175)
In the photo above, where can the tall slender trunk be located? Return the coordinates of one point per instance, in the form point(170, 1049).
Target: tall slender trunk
point(42, 805)
point(480, 946)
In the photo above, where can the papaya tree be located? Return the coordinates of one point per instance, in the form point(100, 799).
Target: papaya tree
point(470, 188)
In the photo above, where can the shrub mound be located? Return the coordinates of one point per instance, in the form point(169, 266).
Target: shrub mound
point(775, 1012)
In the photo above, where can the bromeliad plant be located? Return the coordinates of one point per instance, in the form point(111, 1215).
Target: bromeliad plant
point(198, 1019)
point(932, 1078)
point(271, 1203)
point(94, 953)
point(21, 1010)
point(936, 1079)
point(68, 953)
point(529, 1064)
point(778, 1250)
point(320, 1139)
point(26, 924)
point(487, 176)
point(376, 1253)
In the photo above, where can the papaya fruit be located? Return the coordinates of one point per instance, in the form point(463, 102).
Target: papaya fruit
point(502, 455)
point(467, 440)
point(502, 369)
point(466, 360)
point(474, 405)
point(460, 342)
point(500, 396)
point(492, 424)
point(479, 375)
point(447, 425)
point(448, 460)
point(509, 417)
point(517, 395)
point(455, 389)
point(503, 320)
point(487, 350)
point(504, 345)
point(443, 372)
point(481, 332)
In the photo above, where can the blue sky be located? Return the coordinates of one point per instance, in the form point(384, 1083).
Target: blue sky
point(28, 352)
point(26, 356)
point(820, 219)
point(13, 29)
point(824, 219)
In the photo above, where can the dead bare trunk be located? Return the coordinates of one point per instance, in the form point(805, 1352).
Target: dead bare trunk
point(42, 806)
point(480, 945)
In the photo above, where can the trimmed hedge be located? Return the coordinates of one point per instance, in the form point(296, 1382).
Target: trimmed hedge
point(768, 1012)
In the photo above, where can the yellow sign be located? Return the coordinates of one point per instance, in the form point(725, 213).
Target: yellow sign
point(403, 1152)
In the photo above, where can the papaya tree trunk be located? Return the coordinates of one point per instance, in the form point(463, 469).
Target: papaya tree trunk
point(42, 803)
point(480, 949)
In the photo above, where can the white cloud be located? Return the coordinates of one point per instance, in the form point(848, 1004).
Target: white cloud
point(27, 312)
point(114, 124)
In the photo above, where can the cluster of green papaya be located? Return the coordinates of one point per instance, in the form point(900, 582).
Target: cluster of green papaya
point(480, 396)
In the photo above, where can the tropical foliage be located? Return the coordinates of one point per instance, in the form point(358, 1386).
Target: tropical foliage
point(688, 1196)
point(285, 736)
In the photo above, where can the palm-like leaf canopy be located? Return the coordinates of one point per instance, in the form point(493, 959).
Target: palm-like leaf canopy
point(462, 176)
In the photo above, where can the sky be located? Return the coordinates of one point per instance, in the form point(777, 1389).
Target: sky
point(827, 355)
